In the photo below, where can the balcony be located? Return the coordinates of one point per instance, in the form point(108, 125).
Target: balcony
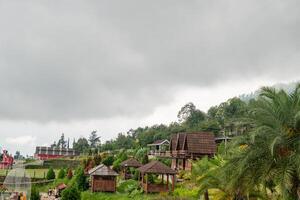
point(169, 154)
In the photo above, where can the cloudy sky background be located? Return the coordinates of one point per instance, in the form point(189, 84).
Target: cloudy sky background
point(78, 66)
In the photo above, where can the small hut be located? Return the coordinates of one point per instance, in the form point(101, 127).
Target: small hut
point(158, 168)
point(103, 179)
point(131, 162)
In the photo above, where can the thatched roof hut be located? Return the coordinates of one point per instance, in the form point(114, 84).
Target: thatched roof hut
point(156, 167)
point(103, 179)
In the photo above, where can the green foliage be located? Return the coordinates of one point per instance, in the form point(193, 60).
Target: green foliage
point(108, 161)
point(34, 193)
point(97, 159)
point(187, 193)
point(71, 193)
point(50, 174)
point(81, 180)
point(81, 145)
point(142, 155)
point(61, 174)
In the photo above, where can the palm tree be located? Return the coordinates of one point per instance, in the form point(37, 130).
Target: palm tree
point(269, 159)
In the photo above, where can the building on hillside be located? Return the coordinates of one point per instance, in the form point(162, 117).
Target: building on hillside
point(103, 179)
point(159, 147)
point(185, 147)
point(7, 161)
point(45, 153)
point(157, 168)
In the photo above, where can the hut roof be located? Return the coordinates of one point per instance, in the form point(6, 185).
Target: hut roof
point(159, 142)
point(200, 142)
point(156, 167)
point(131, 162)
point(102, 170)
point(61, 186)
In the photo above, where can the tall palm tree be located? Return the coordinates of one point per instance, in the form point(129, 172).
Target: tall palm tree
point(270, 157)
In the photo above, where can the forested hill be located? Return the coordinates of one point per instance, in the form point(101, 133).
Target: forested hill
point(223, 119)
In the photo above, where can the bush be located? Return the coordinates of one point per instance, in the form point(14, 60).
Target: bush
point(108, 161)
point(61, 174)
point(71, 193)
point(97, 159)
point(70, 174)
point(50, 174)
point(34, 194)
point(128, 186)
point(81, 180)
point(117, 165)
point(135, 174)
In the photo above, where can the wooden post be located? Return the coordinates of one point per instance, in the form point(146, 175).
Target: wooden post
point(173, 182)
point(146, 183)
point(168, 182)
point(162, 178)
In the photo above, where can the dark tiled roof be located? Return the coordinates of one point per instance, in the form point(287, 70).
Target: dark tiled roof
point(156, 167)
point(200, 142)
point(131, 162)
point(102, 170)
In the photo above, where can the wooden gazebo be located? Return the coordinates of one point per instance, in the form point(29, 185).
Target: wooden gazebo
point(103, 179)
point(156, 167)
point(131, 162)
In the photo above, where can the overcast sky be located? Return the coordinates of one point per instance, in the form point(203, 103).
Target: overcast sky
point(78, 66)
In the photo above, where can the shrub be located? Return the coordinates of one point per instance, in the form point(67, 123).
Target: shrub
point(34, 194)
point(71, 193)
point(50, 174)
point(108, 161)
point(128, 186)
point(70, 174)
point(81, 180)
point(61, 174)
point(117, 165)
point(135, 174)
point(97, 159)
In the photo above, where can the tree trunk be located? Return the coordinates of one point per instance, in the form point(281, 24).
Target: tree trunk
point(206, 196)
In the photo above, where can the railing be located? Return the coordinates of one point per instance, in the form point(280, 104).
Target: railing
point(179, 153)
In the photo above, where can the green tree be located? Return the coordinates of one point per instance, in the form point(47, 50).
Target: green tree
point(61, 174)
point(81, 145)
point(35, 195)
point(71, 193)
point(108, 161)
point(50, 174)
point(62, 142)
point(94, 139)
point(269, 156)
point(81, 179)
point(191, 116)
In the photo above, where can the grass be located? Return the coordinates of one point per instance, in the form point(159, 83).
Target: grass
point(33, 173)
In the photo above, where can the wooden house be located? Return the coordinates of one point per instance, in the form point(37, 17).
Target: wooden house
point(185, 147)
point(127, 164)
point(103, 179)
point(159, 147)
point(157, 168)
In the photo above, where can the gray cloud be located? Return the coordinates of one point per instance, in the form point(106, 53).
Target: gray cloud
point(74, 60)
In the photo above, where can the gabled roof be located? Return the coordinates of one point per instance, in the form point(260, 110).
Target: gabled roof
point(156, 167)
point(102, 170)
point(159, 142)
point(199, 142)
point(131, 162)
